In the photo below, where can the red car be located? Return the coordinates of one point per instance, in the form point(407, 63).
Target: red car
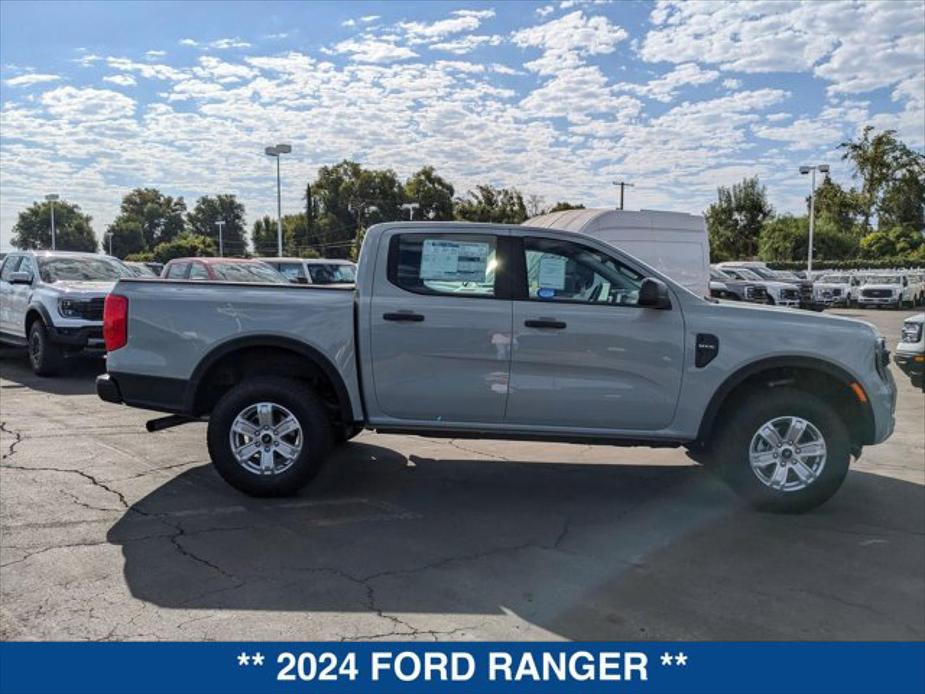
point(222, 270)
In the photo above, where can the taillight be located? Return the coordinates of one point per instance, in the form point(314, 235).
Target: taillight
point(115, 322)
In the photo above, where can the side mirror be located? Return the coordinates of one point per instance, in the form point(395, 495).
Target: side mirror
point(21, 278)
point(653, 293)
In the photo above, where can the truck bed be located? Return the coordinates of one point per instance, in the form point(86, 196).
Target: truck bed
point(174, 327)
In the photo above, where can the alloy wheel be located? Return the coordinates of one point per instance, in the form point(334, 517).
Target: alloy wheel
point(266, 438)
point(787, 453)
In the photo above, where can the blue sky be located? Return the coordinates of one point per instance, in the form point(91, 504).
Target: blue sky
point(556, 98)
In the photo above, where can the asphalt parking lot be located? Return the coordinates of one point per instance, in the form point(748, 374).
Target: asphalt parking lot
point(108, 532)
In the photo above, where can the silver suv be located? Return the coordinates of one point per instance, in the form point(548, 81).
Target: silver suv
point(52, 302)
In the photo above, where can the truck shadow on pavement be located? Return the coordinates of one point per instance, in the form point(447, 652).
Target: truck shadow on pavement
point(78, 377)
point(583, 551)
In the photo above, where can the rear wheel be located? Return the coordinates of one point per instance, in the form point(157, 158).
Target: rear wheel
point(269, 436)
point(45, 356)
point(784, 450)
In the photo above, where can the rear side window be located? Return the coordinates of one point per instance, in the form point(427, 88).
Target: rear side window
point(177, 271)
point(454, 264)
point(335, 273)
point(197, 271)
point(294, 272)
point(10, 264)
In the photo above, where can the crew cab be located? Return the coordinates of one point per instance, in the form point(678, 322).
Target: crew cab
point(836, 289)
point(52, 303)
point(778, 293)
point(505, 332)
point(891, 290)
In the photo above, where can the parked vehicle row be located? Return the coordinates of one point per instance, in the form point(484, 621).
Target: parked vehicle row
point(52, 301)
point(506, 332)
point(910, 352)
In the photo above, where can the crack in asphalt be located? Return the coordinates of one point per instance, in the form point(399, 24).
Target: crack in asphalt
point(17, 439)
point(495, 456)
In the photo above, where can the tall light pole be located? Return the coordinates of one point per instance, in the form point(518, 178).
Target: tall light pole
point(220, 223)
point(622, 184)
point(109, 241)
point(821, 168)
point(51, 197)
point(411, 207)
point(276, 152)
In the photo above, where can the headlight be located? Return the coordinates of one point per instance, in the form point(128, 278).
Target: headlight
point(882, 357)
point(912, 332)
point(68, 308)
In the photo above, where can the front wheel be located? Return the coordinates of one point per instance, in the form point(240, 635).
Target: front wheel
point(783, 450)
point(269, 436)
point(45, 357)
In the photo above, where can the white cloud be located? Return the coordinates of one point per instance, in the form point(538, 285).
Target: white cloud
point(222, 44)
point(665, 87)
point(349, 23)
point(544, 10)
point(855, 46)
point(369, 18)
point(732, 83)
point(87, 105)
point(566, 40)
point(371, 50)
point(222, 72)
point(462, 20)
point(188, 42)
point(155, 54)
point(152, 71)
point(121, 80)
point(466, 44)
point(31, 78)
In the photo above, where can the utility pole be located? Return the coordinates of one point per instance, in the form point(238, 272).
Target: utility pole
point(220, 223)
point(411, 207)
point(51, 197)
point(276, 152)
point(822, 168)
point(622, 184)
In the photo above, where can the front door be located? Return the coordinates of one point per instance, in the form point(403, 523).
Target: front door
point(585, 355)
point(18, 299)
point(440, 328)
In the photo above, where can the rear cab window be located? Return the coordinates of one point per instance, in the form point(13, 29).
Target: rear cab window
point(294, 272)
point(177, 271)
point(445, 264)
point(332, 273)
point(198, 271)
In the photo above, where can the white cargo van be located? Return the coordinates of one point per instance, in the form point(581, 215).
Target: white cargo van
point(675, 243)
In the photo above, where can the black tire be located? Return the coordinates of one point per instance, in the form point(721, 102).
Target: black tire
point(732, 444)
point(45, 356)
point(305, 406)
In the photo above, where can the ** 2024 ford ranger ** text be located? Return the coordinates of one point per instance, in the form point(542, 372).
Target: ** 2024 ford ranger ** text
point(506, 332)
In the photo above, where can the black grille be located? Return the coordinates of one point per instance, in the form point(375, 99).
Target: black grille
point(790, 294)
point(877, 293)
point(92, 309)
point(836, 292)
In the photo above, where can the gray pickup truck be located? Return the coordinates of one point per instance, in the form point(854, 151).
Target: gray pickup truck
point(506, 332)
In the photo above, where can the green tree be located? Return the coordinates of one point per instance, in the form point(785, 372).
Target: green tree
point(73, 231)
point(185, 245)
point(879, 159)
point(489, 204)
point(263, 237)
point(127, 237)
point(735, 220)
point(432, 192)
point(161, 217)
point(903, 202)
point(787, 238)
point(898, 241)
point(208, 210)
point(840, 207)
point(563, 206)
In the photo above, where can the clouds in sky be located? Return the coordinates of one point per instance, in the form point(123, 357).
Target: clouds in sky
point(557, 99)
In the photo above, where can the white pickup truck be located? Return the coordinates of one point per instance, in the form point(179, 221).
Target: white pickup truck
point(508, 332)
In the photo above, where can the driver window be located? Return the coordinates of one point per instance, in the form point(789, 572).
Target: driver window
point(565, 271)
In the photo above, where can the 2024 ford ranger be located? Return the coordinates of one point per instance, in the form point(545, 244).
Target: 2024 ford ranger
point(491, 331)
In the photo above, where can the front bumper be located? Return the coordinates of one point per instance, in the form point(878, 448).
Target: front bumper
point(912, 364)
point(877, 300)
point(86, 338)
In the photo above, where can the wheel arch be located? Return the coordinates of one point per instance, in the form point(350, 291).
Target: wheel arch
point(35, 312)
point(815, 375)
point(248, 355)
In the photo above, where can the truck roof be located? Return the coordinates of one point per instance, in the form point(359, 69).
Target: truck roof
point(581, 219)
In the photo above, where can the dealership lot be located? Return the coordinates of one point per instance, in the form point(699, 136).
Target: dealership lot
point(112, 533)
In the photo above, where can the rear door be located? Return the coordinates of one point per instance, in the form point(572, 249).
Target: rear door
point(440, 327)
point(585, 355)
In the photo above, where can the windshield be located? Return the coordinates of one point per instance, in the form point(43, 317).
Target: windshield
point(719, 275)
point(140, 270)
point(834, 279)
point(784, 274)
point(743, 273)
point(247, 272)
point(884, 279)
point(80, 269)
point(332, 274)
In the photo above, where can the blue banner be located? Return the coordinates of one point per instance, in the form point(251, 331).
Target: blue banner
point(474, 668)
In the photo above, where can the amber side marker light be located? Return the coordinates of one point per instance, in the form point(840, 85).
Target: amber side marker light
point(858, 391)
